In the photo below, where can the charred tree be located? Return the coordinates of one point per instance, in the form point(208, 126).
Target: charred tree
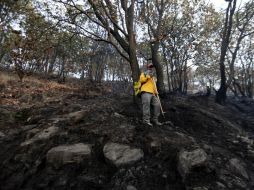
point(221, 94)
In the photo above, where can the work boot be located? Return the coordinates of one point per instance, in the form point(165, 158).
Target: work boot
point(148, 123)
point(156, 122)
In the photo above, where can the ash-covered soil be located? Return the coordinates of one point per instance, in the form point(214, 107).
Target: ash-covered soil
point(201, 146)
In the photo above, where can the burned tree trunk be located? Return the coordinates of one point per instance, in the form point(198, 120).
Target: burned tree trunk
point(221, 94)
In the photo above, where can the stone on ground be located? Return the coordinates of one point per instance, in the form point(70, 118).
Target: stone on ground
point(120, 155)
point(43, 135)
point(187, 160)
point(238, 167)
point(66, 154)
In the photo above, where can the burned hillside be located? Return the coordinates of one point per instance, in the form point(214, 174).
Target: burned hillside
point(64, 137)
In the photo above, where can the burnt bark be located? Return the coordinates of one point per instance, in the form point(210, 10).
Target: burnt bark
point(127, 42)
point(221, 94)
point(158, 67)
point(155, 31)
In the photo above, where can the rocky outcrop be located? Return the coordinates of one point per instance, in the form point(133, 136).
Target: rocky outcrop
point(43, 135)
point(189, 160)
point(2, 135)
point(66, 154)
point(237, 167)
point(120, 155)
point(77, 116)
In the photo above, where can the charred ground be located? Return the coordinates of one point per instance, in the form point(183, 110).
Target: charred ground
point(94, 115)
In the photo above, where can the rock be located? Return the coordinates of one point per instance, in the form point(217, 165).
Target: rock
point(155, 145)
point(208, 148)
point(239, 182)
point(189, 160)
point(77, 116)
point(58, 121)
point(127, 126)
point(43, 135)
point(120, 155)
point(220, 186)
point(130, 187)
point(246, 139)
point(28, 127)
point(118, 115)
point(72, 108)
point(32, 132)
point(237, 167)
point(168, 123)
point(174, 139)
point(251, 154)
point(66, 154)
point(35, 119)
point(2, 135)
point(181, 139)
point(200, 188)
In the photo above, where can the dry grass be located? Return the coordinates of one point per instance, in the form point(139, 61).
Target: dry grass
point(32, 81)
point(12, 91)
point(45, 85)
point(5, 78)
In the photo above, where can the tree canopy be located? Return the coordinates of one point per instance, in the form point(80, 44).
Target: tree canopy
point(191, 43)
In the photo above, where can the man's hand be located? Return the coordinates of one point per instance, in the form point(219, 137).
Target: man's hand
point(149, 74)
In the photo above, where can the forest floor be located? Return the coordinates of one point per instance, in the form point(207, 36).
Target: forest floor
point(201, 146)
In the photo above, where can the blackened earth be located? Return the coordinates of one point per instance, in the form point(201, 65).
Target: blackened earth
point(191, 122)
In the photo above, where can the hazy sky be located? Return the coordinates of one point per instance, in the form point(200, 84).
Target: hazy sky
point(223, 4)
point(219, 3)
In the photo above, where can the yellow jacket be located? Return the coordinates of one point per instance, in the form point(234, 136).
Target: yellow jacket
point(148, 84)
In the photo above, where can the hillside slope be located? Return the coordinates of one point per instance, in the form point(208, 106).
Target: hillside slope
point(62, 137)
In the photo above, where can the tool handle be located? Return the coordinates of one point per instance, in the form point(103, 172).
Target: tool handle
point(157, 95)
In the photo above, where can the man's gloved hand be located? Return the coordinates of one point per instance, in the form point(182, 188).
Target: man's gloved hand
point(149, 73)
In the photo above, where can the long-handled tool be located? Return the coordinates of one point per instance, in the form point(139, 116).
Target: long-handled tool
point(157, 95)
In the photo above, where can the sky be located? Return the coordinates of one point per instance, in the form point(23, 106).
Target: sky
point(219, 3)
point(223, 4)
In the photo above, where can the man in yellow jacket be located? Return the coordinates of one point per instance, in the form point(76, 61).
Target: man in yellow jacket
point(148, 97)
